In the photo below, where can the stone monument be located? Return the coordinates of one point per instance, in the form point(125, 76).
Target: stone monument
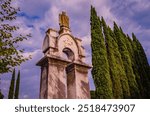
point(64, 73)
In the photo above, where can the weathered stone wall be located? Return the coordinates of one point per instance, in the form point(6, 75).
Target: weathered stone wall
point(56, 79)
point(82, 82)
point(71, 81)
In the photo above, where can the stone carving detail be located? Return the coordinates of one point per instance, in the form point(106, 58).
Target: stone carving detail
point(67, 42)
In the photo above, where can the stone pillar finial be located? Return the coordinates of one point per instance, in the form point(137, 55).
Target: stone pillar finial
point(64, 23)
point(63, 20)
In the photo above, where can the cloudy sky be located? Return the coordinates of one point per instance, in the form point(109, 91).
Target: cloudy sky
point(36, 16)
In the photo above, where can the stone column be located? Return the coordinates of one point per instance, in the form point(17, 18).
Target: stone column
point(71, 81)
point(77, 81)
point(56, 79)
point(43, 82)
point(53, 78)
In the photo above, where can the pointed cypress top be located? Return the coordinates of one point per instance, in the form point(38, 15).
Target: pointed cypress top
point(134, 37)
point(115, 26)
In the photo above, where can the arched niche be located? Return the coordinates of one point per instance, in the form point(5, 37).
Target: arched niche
point(68, 54)
point(67, 45)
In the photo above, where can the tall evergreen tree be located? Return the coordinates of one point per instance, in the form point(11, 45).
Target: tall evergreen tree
point(126, 69)
point(92, 93)
point(130, 48)
point(1, 96)
point(11, 88)
point(14, 86)
point(142, 66)
point(120, 67)
point(16, 96)
point(134, 91)
point(129, 45)
point(113, 66)
point(100, 64)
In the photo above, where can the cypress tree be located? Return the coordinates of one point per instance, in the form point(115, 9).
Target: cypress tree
point(11, 88)
point(142, 55)
point(17, 86)
point(119, 62)
point(113, 66)
point(120, 67)
point(92, 94)
point(142, 66)
point(130, 48)
point(1, 96)
point(100, 70)
point(121, 41)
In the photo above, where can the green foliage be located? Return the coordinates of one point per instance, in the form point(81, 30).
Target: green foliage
point(130, 48)
point(119, 62)
point(92, 94)
point(116, 70)
point(121, 41)
point(142, 67)
point(100, 64)
point(11, 88)
point(120, 71)
point(1, 95)
point(10, 38)
point(17, 86)
point(14, 94)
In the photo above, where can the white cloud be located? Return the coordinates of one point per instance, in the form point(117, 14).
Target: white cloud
point(33, 7)
point(51, 17)
point(141, 5)
point(86, 40)
point(33, 53)
point(23, 29)
point(103, 8)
